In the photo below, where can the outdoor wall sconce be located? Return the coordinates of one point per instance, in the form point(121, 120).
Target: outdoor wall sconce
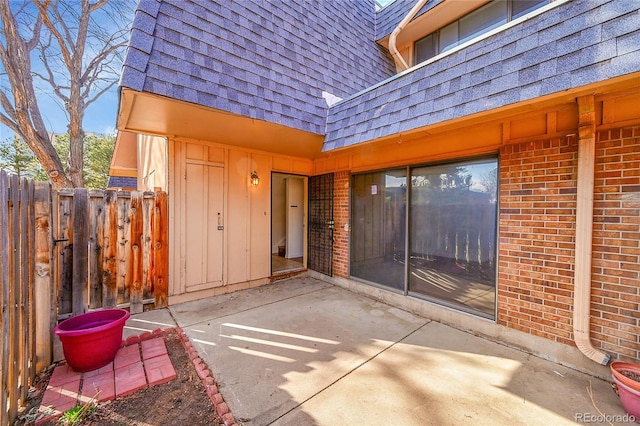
point(255, 179)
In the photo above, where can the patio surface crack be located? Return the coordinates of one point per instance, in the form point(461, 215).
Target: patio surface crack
point(350, 371)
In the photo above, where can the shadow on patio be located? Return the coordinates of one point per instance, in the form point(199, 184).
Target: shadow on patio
point(303, 351)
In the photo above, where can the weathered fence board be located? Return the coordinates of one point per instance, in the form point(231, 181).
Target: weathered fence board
point(96, 247)
point(80, 266)
point(14, 292)
point(116, 230)
point(4, 281)
point(110, 250)
point(63, 253)
point(161, 247)
point(17, 271)
point(63, 245)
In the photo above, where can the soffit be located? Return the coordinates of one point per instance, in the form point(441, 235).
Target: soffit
point(157, 115)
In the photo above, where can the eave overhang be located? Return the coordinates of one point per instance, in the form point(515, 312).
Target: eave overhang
point(141, 112)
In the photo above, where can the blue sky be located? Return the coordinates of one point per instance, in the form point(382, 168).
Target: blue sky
point(100, 116)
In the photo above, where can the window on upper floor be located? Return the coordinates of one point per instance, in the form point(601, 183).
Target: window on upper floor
point(481, 20)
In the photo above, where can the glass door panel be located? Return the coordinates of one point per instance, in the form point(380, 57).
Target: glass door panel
point(453, 234)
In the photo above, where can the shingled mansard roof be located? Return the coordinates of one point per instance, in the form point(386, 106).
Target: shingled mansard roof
point(268, 60)
point(572, 45)
point(271, 60)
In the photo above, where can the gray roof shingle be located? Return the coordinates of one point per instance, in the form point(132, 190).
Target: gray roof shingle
point(122, 182)
point(269, 60)
point(574, 44)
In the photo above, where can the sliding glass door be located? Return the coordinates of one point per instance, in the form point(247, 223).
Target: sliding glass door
point(450, 236)
point(453, 234)
point(378, 223)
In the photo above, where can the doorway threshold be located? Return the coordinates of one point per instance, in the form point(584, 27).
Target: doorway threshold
point(280, 275)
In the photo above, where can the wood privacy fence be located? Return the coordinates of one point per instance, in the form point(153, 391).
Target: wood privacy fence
point(110, 250)
point(63, 253)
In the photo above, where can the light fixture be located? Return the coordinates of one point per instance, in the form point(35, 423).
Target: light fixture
point(255, 179)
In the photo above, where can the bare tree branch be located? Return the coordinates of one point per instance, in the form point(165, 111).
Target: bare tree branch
point(6, 104)
point(80, 45)
point(27, 120)
point(100, 93)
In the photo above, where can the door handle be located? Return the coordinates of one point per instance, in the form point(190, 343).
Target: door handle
point(330, 224)
point(220, 226)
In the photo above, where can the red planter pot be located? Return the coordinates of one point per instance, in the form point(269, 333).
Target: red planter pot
point(91, 340)
point(630, 399)
point(618, 366)
point(628, 389)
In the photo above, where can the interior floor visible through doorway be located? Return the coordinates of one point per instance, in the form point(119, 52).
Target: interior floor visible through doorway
point(282, 264)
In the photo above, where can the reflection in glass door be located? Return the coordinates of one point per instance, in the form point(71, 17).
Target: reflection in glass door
point(453, 234)
point(378, 227)
point(450, 240)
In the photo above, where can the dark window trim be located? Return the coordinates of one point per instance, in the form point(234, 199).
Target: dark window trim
point(436, 33)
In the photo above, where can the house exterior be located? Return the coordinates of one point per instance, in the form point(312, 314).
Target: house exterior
point(475, 162)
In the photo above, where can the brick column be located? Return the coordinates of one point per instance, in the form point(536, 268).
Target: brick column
point(341, 219)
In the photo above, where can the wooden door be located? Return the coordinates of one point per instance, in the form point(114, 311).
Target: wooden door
point(204, 227)
point(321, 223)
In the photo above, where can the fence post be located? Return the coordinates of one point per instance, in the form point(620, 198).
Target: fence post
point(161, 252)
point(80, 251)
point(43, 276)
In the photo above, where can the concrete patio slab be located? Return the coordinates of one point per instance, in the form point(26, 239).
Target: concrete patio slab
point(319, 354)
point(440, 376)
point(194, 312)
point(148, 321)
point(288, 350)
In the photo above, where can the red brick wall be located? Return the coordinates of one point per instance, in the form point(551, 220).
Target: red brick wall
point(341, 219)
point(536, 240)
point(616, 244)
point(536, 250)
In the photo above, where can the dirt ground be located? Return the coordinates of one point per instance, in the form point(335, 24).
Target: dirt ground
point(182, 401)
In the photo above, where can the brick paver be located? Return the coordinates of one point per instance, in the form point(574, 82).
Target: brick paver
point(126, 356)
point(159, 370)
point(63, 374)
point(61, 397)
point(126, 375)
point(153, 348)
point(100, 386)
point(129, 379)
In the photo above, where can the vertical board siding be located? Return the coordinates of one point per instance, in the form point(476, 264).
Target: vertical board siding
point(63, 253)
